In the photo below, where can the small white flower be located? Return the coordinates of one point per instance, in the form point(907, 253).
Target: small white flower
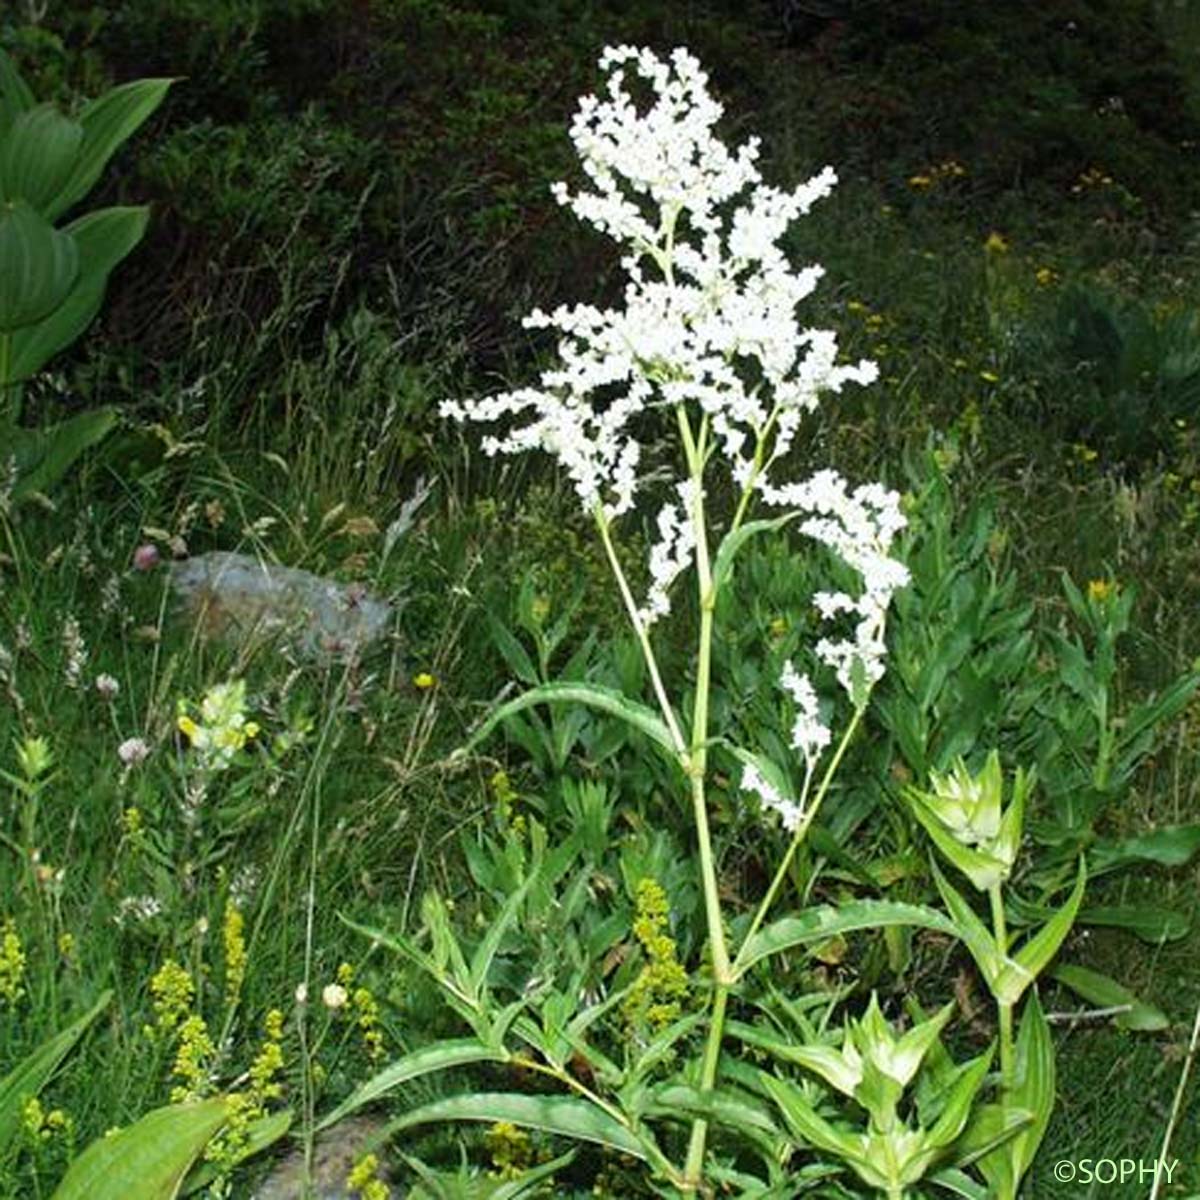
point(107, 687)
point(133, 751)
point(334, 996)
point(790, 813)
point(302, 994)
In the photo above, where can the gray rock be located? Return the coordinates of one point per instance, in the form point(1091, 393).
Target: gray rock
point(238, 597)
point(335, 1152)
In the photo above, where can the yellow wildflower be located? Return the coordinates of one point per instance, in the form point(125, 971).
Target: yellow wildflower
point(989, 376)
point(656, 995)
point(171, 994)
point(424, 681)
point(995, 244)
point(919, 182)
point(195, 1051)
point(1084, 453)
point(233, 931)
point(511, 1149)
point(364, 1179)
point(12, 962)
point(1045, 276)
point(1099, 590)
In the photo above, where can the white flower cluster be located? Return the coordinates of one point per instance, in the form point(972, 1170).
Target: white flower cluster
point(672, 553)
point(859, 526)
point(715, 326)
point(790, 813)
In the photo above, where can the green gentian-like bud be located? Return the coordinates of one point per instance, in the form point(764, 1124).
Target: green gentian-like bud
point(965, 818)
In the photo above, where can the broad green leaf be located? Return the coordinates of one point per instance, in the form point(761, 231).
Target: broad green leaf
point(604, 699)
point(1034, 1089)
point(1154, 712)
point(148, 1159)
point(1106, 992)
point(37, 155)
point(731, 543)
point(1170, 847)
point(44, 456)
point(262, 1133)
point(14, 91)
point(957, 1111)
point(818, 924)
point(562, 1115)
point(39, 265)
point(719, 1106)
point(107, 122)
point(441, 1056)
point(103, 239)
point(30, 1075)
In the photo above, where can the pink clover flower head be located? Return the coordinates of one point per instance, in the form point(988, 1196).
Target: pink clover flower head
point(146, 557)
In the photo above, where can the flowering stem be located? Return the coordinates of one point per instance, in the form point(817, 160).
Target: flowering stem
point(698, 760)
point(798, 838)
point(639, 628)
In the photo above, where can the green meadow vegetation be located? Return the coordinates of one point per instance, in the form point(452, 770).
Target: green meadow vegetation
point(551, 902)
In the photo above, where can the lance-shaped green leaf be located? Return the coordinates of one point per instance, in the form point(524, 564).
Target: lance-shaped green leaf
point(485, 952)
point(103, 239)
point(1005, 977)
point(1037, 952)
point(563, 1115)
point(149, 1159)
point(959, 1101)
point(807, 1125)
point(1106, 992)
point(606, 700)
point(37, 155)
point(732, 542)
point(1032, 1092)
point(441, 1056)
point(38, 268)
point(108, 122)
point(826, 921)
point(31, 1074)
point(992, 1125)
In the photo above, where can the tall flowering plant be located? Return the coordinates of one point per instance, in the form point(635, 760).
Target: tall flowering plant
point(708, 336)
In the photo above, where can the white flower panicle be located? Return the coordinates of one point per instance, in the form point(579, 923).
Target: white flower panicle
point(711, 323)
point(790, 813)
point(672, 554)
point(809, 734)
point(859, 526)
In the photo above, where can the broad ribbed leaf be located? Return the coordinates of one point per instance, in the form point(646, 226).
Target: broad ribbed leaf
point(442, 1056)
point(30, 1076)
point(607, 700)
point(37, 155)
point(44, 456)
point(103, 238)
point(38, 267)
point(14, 91)
point(818, 924)
point(107, 122)
point(562, 1115)
point(1106, 992)
point(149, 1159)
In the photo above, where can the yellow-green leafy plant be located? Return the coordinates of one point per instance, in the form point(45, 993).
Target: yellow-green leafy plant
point(972, 828)
point(52, 277)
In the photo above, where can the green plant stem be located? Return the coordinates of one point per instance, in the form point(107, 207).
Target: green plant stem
point(1005, 1010)
point(781, 873)
point(697, 766)
point(639, 628)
